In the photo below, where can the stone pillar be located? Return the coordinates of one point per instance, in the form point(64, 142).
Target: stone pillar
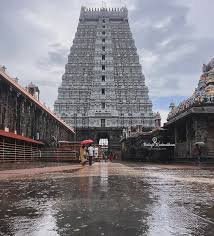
point(37, 114)
point(22, 117)
point(188, 138)
point(175, 138)
point(28, 119)
point(16, 113)
point(6, 110)
point(175, 134)
point(201, 128)
point(19, 112)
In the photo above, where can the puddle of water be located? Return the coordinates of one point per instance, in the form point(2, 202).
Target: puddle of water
point(109, 199)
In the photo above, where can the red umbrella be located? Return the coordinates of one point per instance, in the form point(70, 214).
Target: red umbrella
point(87, 141)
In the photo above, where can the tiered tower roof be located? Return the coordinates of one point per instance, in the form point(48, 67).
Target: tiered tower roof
point(103, 84)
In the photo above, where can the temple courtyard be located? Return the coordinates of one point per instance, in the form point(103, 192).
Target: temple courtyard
point(107, 199)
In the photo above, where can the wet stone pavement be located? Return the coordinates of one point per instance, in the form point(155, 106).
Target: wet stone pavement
point(110, 199)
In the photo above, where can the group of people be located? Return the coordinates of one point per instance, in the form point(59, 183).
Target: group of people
point(109, 157)
point(88, 153)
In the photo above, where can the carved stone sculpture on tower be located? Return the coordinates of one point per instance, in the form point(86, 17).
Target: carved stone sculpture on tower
point(203, 94)
point(103, 84)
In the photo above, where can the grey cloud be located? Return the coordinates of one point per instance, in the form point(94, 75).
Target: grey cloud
point(46, 83)
point(57, 56)
point(149, 36)
point(163, 28)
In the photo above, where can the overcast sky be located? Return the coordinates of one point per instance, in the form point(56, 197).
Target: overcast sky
point(174, 38)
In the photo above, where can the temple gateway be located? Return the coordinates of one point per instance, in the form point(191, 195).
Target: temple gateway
point(103, 89)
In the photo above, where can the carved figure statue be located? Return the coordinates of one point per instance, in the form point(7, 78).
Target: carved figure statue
point(204, 68)
point(209, 66)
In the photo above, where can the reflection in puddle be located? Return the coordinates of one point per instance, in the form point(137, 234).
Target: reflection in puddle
point(103, 177)
point(46, 225)
point(110, 199)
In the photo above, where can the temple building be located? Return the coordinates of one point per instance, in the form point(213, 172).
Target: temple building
point(191, 123)
point(26, 124)
point(103, 88)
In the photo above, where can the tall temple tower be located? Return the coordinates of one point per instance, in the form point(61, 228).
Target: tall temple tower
point(103, 85)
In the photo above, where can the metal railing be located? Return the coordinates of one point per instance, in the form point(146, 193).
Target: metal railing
point(59, 154)
point(11, 152)
point(17, 152)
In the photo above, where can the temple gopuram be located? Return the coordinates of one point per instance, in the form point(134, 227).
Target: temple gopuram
point(191, 123)
point(103, 88)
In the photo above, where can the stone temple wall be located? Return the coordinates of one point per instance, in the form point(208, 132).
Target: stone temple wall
point(103, 84)
point(21, 114)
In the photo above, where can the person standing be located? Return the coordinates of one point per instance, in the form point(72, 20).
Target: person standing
point(110, 157)
point(96, 154)
point(104, 157)
point(90, 154)
point(115, 157)
point(199, 152)
point(83, 154)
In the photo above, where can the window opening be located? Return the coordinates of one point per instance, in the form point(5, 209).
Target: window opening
point(103, 78)
point(103, 122)
point(103, 91)
point(103, 105)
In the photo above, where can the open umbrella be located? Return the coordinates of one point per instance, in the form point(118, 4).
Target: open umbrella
point(87, 141)
point(201, 144)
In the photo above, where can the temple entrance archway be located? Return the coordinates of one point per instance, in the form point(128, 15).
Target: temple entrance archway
point(103, 141)
point(102, 138)
point(113, 135)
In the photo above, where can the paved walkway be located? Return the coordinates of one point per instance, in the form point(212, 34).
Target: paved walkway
point(34, 172)
point(112, 168)
point(115, 199)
